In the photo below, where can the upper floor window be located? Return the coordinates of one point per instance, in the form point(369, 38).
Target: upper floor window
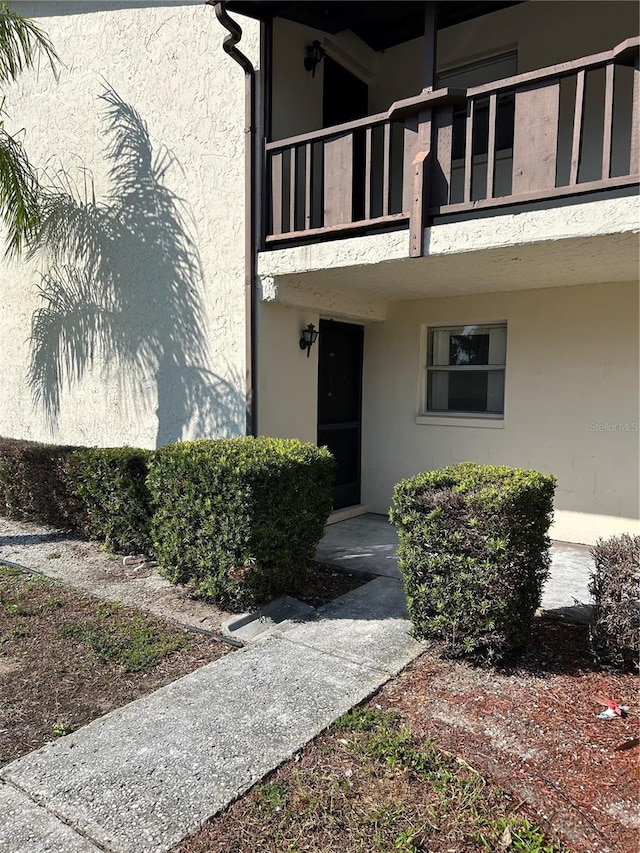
point(466, 369)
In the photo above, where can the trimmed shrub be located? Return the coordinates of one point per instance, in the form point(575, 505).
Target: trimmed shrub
point(34, 484)
point(615, 587)
point(239, 519)
point(111, 482)
point(474, 554)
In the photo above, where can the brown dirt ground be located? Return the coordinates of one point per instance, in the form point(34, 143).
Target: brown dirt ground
point(533, 729)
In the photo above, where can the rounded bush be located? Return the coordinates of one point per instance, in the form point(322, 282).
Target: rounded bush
point(35, 486)
point(615, 587)
point(111, 482)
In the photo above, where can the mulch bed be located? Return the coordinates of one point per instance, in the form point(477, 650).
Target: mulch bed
point(533, 728)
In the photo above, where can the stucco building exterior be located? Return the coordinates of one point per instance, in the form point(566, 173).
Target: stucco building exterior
point(447, 192)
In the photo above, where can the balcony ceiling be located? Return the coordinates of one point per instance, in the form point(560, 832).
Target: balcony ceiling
point(380, 25)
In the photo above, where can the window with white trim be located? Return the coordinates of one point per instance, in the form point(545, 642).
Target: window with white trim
point(466, 368)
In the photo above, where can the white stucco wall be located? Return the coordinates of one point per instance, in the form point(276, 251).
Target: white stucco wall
point(577, 241)
point(571, 400)
point(166, 62)
point(287, 378)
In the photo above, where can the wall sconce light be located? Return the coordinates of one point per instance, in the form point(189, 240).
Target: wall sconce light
point(308, 337)
point(314, 55)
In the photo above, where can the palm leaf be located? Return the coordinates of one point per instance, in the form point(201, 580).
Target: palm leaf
point(19, 207)
point(21, 43)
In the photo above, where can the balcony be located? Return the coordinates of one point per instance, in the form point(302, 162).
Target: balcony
point(567, 130)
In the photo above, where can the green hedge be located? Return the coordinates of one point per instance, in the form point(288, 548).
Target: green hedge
point(111, 482)
point(474, 554)
point(34, 484)
point(239, 519)
point(615, 587)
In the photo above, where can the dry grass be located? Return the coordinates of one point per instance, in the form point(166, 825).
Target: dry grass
point(369, 784)
point(67, 658)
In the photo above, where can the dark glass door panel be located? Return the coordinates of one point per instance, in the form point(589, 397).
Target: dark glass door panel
point(340, 404)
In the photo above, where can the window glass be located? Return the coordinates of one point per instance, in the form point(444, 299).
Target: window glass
point(466, 368)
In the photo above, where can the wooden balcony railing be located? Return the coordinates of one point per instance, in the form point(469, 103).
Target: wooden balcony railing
point(568, 129)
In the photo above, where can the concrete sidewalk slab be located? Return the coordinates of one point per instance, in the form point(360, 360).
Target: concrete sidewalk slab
point(248, 626)
point(29, 828)
point(359, 613)
point(571, 567)
point(145, 776)
point(367, 543)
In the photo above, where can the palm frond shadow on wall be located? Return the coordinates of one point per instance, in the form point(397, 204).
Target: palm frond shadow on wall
point(120, 289)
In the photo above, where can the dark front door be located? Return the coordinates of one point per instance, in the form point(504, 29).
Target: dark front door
point(346, 98)
point(340, 404)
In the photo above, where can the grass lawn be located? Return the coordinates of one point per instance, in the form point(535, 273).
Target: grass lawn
point(67, 658)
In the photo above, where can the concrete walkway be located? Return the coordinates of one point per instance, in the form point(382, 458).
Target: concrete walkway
point(369, 543)
point(143, 777)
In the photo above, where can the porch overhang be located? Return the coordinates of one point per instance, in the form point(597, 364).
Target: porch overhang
point(590, 242)
point(381, 25)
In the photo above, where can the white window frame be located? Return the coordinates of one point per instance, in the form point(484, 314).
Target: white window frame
point(452, 417)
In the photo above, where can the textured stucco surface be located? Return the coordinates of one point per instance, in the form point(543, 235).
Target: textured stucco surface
point(186, 376)
point(287, 378)
point(301, 293)
point(572, 405)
